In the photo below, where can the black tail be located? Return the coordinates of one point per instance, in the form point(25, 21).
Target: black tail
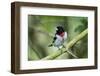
point(50, 45)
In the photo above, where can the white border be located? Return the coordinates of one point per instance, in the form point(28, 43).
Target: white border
point(25, 64)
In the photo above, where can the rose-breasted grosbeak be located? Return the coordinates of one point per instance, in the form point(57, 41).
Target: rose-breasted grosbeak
point(60, 37)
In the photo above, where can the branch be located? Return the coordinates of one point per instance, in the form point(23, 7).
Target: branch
point(69, 52)
point(69, 45)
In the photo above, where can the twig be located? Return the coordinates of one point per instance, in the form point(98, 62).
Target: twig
point(69, 52)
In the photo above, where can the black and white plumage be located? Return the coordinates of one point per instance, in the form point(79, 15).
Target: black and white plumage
point(60, 37)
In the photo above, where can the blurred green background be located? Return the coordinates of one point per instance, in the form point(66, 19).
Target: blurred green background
point(41, 30)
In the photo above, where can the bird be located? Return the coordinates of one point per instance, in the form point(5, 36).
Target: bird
point(59, 38)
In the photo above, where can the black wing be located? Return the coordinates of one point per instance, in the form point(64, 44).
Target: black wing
point(54, 39)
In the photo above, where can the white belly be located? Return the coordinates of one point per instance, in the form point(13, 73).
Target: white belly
point(59, 41)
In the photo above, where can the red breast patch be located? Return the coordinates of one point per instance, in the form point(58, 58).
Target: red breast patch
point(62, 34)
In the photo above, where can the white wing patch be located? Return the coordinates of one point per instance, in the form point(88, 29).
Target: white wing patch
point(65, 36)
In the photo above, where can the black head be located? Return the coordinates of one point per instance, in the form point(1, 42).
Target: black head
point(60, 29)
